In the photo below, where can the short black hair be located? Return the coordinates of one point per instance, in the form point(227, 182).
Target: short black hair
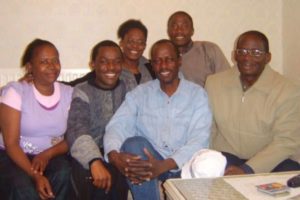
point(260, 35)
point(180, 12)
point(31, 47)
point(104, 43)
point(126, 26)
point(164, 41)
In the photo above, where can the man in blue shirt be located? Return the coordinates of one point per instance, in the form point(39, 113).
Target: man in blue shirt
point(159, 126)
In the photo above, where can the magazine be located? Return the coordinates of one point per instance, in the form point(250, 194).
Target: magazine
point(274, 189)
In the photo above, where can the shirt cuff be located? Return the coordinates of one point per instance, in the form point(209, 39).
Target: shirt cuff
point(94, 159)
point(247, 169)
point(84, 149)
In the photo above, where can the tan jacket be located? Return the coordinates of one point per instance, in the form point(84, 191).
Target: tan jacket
point(261, 124)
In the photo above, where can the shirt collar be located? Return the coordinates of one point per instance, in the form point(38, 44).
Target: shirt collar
point(178, 90)
point(264, 82)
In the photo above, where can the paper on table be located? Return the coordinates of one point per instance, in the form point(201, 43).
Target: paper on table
point(247, 185)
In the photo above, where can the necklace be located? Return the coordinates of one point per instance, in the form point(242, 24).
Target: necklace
point(48, 108)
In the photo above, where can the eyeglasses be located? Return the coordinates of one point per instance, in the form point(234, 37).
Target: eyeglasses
point(139, 43)
point(251, 52)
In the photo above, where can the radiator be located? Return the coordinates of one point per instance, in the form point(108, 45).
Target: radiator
point(7, 75)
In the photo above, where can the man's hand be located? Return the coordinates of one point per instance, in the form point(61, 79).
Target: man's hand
point(234, 170)
point(121, 160)
point(128, 164)
point(145, 170)
point(40, 162)
point(101, 176)
point(139, 171)
point(156, 167)
point(43, 187)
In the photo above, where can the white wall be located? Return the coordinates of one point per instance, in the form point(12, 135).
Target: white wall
point(291, 34)
point(75, 26)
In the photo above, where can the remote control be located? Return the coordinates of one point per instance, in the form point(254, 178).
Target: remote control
point(294, 181)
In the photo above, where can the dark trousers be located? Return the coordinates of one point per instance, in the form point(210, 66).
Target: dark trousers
point(15, 184)
point(83, 188)
point(286, 165)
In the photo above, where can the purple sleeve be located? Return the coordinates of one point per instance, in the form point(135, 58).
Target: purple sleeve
point(11, 98)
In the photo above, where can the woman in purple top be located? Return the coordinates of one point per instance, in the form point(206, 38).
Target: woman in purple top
point(33, 121)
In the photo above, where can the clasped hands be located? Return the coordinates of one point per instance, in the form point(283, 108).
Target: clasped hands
point(136, 169)
point(38, 166)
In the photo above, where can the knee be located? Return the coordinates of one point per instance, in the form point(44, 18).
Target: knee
point(287, 165)
point(135, 145)
point(60, 167)
point(64, 174)
point(21, 182)
point(59, 176)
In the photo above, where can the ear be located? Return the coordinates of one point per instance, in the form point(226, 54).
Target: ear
point(28, 67)
point(268, 57)
point(121, 44)
point(192, 32)
point(168, 32)
point(234, 56)
point(92, 65)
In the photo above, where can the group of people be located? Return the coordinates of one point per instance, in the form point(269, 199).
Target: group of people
point(131, 123)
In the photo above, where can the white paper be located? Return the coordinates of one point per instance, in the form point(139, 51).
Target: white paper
point(247, 186)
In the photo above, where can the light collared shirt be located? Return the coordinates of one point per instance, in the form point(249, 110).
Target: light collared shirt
point(176, 126)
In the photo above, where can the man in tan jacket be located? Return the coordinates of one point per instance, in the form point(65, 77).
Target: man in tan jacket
point(256, 111)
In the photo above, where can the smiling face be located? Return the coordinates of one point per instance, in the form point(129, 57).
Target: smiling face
point(44, 65)
point(107, 65)
point(180, 29)
point(251, 66)
point(133, 44)
point(165, 64)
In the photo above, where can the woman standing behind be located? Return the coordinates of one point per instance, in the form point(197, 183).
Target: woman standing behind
point(33, 121)
point(136, 68)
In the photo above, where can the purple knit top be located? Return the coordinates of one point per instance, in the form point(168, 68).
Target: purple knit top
point(43, 118)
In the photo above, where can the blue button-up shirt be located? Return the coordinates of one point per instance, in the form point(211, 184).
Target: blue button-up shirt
point(176, 126)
